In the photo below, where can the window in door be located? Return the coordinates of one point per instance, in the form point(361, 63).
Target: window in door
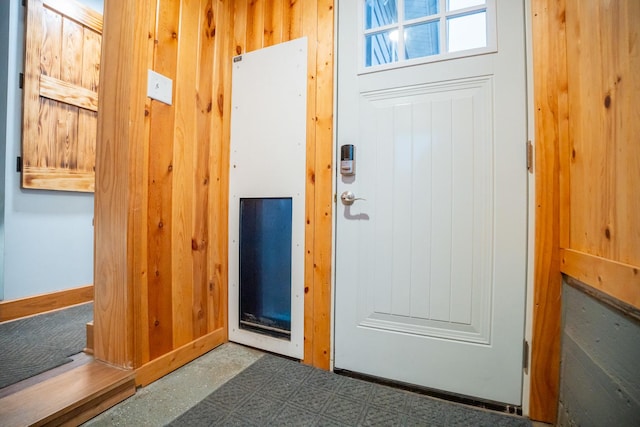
point(405, 32)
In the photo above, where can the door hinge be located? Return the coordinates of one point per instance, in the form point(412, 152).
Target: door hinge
point(24, 3)
point(21, 80)
point(335, 198)
point(525, 355)
point(529, 156)
point(18, 164)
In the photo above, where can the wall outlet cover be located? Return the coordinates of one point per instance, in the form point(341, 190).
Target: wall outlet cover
point(159, 87)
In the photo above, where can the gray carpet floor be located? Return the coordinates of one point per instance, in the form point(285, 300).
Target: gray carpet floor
point(275, 391)
point(37, 344)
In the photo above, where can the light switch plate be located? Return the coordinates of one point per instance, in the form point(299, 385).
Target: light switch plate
point(159, 87)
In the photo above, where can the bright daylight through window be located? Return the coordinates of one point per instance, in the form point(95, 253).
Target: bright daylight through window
point(399, 30)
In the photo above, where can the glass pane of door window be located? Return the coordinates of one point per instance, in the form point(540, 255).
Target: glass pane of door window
point(401, 30)
point(422, 40)
point(461, 4)
point(467, 32)
point(419, 8)
point(381, 48)
point(379, 13)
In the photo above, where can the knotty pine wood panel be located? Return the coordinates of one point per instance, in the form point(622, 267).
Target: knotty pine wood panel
point(240, 26)
point(256, 26)
point(588, 160)
point(50, 66)
point(183, 206)
point(219, 159)
point(323, 223)
point(604, 164)
point(191, 167)
point(309, 28)
point(88, 120)
point(549, 71)
point(58, 136)
point(188, 170)
point(140, 233)
point(201, 241)
point(122, 157)
point(161, 185)
point(274, 22)
point(71, 72)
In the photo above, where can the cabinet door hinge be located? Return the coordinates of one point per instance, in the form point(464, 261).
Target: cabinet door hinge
point(525, 355)
point(18, 164)
point(529, 156)
point(21, 80)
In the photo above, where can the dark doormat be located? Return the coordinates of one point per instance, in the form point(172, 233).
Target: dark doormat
point(278, 392)
point(37, 344)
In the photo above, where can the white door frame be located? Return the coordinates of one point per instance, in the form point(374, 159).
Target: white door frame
point(526, 376)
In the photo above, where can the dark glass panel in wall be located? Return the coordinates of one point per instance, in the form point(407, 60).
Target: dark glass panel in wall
point(265, 265)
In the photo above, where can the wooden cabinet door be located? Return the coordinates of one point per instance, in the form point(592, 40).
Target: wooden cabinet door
point(60, 114)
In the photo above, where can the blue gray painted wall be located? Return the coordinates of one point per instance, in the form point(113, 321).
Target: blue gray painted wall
point(4, 64)
point(48, 235)
point(600, 373)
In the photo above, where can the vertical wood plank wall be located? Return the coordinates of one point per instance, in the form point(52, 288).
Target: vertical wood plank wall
point(162, 175)
point(62, 65)
point(600, 199)
point(586, 83)
point(262, 23)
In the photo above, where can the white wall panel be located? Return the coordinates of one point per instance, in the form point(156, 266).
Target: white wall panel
point(268, 159)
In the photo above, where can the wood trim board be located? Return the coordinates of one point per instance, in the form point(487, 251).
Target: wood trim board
point(71, 94)
point(171, 361)
point(28, 306)
point(618, 280)
point(549, 75)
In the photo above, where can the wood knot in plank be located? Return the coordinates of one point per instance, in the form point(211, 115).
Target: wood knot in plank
point(198, 246)
point(221, 104)
point(209, 16)
point(607, 101)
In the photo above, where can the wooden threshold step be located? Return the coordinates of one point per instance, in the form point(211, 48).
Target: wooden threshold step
point(70, 398)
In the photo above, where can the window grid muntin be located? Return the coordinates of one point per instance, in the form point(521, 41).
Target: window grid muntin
point(443, 16)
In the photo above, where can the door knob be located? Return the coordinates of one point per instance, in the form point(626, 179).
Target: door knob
point(348, 198)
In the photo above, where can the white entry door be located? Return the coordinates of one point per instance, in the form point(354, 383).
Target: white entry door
point(431, 254)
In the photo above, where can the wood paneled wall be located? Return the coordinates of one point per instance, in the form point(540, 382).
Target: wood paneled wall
point(160, 272)
point(262, 23)
point(600, 202)
point(586, 83)
point(162, 175)
point(62, 65)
